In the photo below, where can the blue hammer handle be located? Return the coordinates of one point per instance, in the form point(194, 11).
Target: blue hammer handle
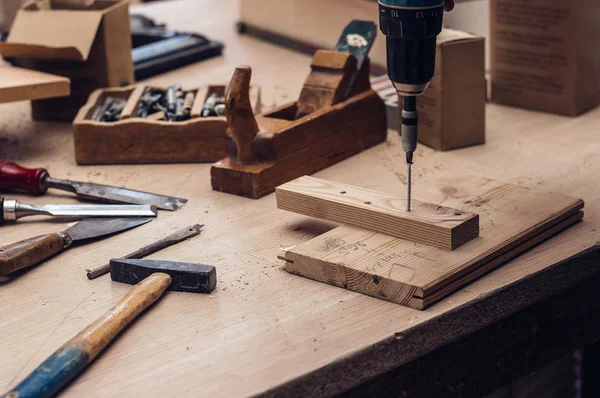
point(72, 358)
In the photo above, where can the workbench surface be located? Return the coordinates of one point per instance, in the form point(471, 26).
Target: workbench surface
point(263, 329)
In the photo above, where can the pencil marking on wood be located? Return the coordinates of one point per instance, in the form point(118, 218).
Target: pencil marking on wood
point(514, 219)
point(427, 223)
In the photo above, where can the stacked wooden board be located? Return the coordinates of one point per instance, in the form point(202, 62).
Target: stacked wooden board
point(512, 219)
point(426, 223)
point(18, 84)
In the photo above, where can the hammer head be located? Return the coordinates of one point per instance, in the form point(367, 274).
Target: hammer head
point(196, 278)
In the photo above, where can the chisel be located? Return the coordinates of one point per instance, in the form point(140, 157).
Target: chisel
point(37, 181)
point(11, 210)
point(30, 252)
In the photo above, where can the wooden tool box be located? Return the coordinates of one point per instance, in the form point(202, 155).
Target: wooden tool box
point(302, 137)
point(137, 140)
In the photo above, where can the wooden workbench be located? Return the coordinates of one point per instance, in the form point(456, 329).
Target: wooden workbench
point(264, 330)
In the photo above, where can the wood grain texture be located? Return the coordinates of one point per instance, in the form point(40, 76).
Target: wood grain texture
point(336, 133)
point(18, 84)
point(328, 81)
point(29, 252)
point(515, 346)
point(96, 337)
point(416, 275)
point(264, 328)
point(135, 140)
point(241, 123)
point(426, 223)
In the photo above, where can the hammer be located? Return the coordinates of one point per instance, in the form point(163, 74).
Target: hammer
point(152, 278)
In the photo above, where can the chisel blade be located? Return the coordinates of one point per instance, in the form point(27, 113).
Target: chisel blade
point(97, 210)
point(123, 195)
point(94, 228)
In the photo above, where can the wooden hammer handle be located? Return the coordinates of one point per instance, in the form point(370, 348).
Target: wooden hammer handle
point(29, 252)
point(69, 360)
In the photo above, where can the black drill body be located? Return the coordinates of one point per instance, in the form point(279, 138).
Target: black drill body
point(411, 34)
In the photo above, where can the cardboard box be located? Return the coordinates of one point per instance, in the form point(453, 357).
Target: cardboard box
point(452, 109)
point(91, 46)
point(545, 54)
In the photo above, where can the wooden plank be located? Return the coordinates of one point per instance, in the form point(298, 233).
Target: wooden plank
point(513, 219)
point(488, 355)
point(18, 84)
point(426, 223)
point(545, 329)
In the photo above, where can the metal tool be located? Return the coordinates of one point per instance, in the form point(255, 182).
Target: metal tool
point(152, 278)
point(179, 114)
point(170, 240)
point(411, 28)
point(157, 49)
point(150, 102)
point(357, 39)
point(37, 181)
point(12, 210)
point(171, 105)
point(210, 104)
point(100, 111)
point(110, 110)
point(188, 103)
point(29, 252)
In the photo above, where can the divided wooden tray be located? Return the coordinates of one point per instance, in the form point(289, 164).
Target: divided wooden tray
point(137, 140)
point(512, 220)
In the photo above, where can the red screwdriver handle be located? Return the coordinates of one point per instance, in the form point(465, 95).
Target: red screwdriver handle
point(13, 176)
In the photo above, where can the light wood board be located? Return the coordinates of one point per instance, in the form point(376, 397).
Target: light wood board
point(417, 275)
point(19, 84)
point(264, 329)
point(426, 223)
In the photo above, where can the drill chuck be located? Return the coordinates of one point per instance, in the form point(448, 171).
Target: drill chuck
point(411, 28)
point(410, 127)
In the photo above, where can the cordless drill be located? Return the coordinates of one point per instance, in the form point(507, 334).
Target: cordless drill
point(411, 28)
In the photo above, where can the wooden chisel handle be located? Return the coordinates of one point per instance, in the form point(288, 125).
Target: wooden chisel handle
point(70, 359)
point(29, 252)
point(13, 176)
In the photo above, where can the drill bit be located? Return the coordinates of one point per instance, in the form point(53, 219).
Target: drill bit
point(408, 186)
point(410, 132)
